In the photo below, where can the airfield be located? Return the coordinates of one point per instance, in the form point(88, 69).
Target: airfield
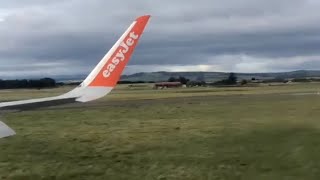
point(264, 132)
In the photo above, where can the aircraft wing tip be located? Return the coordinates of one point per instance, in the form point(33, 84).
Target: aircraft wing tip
point(143, 18)
point(5, 131)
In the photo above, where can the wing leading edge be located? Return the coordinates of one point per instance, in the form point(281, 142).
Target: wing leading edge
point(99, 82)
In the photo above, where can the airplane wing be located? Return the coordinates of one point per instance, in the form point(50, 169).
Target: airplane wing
point(5, 131)
point(99, 82)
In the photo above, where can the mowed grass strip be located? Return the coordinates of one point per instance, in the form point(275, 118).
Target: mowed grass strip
point(258, 135)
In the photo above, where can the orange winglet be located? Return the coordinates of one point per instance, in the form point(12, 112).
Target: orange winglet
point(112, 70)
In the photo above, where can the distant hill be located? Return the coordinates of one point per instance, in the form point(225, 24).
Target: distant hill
point(216, 76)
point(205, 76)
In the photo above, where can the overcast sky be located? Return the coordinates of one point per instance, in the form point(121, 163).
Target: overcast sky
point(63, 37)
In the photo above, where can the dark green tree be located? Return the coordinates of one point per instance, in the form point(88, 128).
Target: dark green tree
point(183, 80)
point(172, 79)
point(232, 79)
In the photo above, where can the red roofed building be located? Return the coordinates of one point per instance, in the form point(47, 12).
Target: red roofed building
point(162, 85)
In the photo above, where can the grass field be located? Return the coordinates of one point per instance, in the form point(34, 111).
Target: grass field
point(260, 133)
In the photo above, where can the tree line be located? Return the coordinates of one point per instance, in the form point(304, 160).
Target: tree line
point(25, 83)
point(50, 83)
point(230, 80)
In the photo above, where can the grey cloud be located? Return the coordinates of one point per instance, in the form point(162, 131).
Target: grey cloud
point(181, 34)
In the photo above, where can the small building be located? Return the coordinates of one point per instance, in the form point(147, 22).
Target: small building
point(162, 85)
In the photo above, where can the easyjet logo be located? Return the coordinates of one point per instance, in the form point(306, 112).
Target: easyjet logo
point(121, 54)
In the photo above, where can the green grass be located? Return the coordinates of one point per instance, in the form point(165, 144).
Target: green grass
point(263, 133)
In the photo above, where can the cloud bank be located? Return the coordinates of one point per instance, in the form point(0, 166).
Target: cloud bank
point(64, 37)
